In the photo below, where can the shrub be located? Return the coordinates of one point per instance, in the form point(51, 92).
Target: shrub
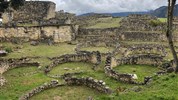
point(155, 23)
point(8, 49)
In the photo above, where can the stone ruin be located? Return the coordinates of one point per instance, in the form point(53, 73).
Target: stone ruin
point(131, 29)
point(3, 81)
point(138, 22)
point(90, 57)
point(31, 11)
point(141, 59)
point(8, 64)
point(89, 82)
point(145, 49)
point(65, 15)
point(35, 21)
point(98, 85)
point(83, 20)
point(97, 37)
point(3, 53)
point(45, 86)
point(126, 78)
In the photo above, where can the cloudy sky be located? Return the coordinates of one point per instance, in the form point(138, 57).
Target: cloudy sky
point(105, 6)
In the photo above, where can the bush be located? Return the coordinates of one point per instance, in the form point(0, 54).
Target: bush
point(8, 49)
point(155, 23)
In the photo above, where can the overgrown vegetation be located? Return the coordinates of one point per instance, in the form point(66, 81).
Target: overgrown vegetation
point(155, 23)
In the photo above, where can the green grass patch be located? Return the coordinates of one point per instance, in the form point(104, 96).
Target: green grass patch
point(105, 23)
point(42, 50)
point(140, 70)
point(67, 93)
point(21, 80)
point(163, 19)
point(71, 68)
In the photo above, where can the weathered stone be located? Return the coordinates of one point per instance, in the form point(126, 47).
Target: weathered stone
point(65, 33)
point(2, 81)
point(52, 84)
point(170, 70)
point(3, 53)
point(38, 10)
point(34, 43)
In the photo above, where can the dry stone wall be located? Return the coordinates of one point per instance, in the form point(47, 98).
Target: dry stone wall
point(138, 22)
point(145, 49)
point(45, 86)
point(141, 59)
point(122, 77)
point(89, 82)
point(63, 33)
point(36, 10)
point(97, 37)
point(8, 64)
point(141, 36)
point(91, 57)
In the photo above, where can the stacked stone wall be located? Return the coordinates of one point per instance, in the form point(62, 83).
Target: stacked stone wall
point(62, 33)
point(36, 10)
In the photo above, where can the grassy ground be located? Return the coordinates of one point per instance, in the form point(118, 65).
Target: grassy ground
point(24, 79)
point(104, 23)
point(109, 22)
point(163, 19)
point(140, 70)
point(41, 50)
point(101, 49)
point(19, 83)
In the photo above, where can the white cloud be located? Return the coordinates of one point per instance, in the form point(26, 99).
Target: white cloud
point(105, 6)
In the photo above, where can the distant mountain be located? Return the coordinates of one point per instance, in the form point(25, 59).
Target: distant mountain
point(162, 11)
point(159, 12)
point(121, 14)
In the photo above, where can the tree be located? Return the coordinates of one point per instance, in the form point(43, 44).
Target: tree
point(171, 5)
point(4, 4)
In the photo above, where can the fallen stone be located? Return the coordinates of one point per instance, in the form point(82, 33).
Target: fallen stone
point(170, 70)
point(3, 53)
point(2, 81)
point(34, 43)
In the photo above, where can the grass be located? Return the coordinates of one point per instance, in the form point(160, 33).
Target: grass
point(41, 50)
point(72, 68)
point(105, 23)
point(22, 80)
point(19, 83)
point(163, 19)
point(67, 93)
point(140, 70)
point(162, 88)
point(27, 25)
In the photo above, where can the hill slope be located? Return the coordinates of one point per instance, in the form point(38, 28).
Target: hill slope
point(162, 11)
point(159, 12)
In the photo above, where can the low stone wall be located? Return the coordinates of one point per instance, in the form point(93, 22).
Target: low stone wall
point(8, 64)
point(39, 89)
point(2, 81)
point(126, 78)
point(137, 22)
point(97, 37)
point(145, 49)
point(89, 82)
point(91, 57)
point(58, 33)
point(141, 59)
point(141, 36)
